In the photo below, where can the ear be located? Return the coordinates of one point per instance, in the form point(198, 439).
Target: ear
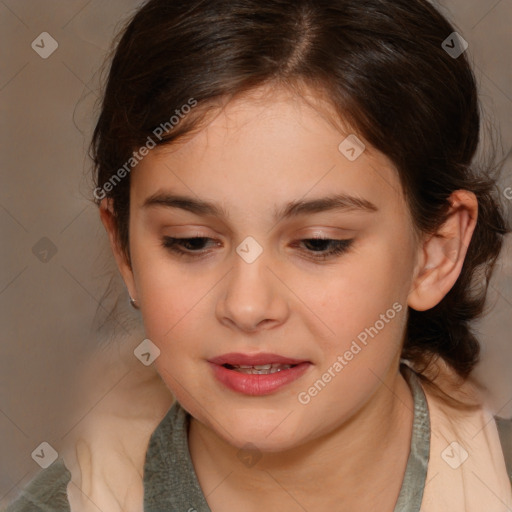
point(109, 221)
point(442, 255)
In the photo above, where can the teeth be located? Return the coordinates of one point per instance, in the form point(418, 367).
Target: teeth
point(262, 369)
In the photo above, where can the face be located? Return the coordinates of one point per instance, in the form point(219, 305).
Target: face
point(304, 261)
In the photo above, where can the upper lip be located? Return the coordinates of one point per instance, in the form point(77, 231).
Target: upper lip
point(237, 359)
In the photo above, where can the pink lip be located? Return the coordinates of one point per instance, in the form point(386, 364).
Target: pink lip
point(256, 385)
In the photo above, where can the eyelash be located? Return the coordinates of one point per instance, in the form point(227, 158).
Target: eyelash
point(340, 247)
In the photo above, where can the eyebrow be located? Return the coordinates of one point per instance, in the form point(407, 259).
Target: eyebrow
point(343, 202)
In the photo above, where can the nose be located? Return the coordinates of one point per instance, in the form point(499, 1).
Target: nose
point(253, 297)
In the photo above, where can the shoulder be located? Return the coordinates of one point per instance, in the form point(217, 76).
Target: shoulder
point(467, 464)
point(46, 492)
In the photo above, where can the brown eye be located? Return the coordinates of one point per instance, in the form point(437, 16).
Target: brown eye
point(191, 247)
point(323, 248)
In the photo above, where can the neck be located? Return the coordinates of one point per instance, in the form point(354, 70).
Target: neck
point(361, 463)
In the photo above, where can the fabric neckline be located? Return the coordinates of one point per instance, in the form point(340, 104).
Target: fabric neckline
point(170, 481)
point(413, 484)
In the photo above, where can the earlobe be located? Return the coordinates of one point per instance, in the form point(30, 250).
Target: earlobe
point(109, 221)
point(442, 254)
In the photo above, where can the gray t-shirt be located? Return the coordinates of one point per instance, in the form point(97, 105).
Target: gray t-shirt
point(171, 485)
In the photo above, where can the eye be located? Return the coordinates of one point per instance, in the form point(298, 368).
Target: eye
point(319, 248)
point(323, 248)
point(191, 245)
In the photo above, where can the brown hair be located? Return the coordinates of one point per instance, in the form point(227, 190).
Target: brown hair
point(382, 66)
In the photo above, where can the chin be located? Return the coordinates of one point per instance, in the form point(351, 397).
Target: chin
point(271, 432)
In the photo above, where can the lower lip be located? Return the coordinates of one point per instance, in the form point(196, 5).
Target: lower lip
point(257, 385)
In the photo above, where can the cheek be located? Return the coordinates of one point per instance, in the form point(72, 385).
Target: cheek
point(170, 310)
point(167, 289)
point(356, 295)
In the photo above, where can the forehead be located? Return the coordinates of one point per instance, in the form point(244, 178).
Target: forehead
point(265, 148)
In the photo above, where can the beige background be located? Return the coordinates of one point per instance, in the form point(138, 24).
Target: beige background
point(55, 313)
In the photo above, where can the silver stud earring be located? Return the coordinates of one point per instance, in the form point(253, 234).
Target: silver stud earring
point(133, 303)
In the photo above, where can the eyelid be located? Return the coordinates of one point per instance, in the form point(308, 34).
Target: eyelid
point(326, 232)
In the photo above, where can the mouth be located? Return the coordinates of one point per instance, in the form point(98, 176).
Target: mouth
point(261, 369)
point(257, 374)
point(239, 360)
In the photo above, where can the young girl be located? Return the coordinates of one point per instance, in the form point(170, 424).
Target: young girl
point(291, 199)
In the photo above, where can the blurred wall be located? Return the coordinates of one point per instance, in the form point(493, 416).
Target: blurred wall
point(57, 278)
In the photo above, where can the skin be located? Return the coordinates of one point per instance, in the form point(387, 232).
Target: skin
point(346, 448)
